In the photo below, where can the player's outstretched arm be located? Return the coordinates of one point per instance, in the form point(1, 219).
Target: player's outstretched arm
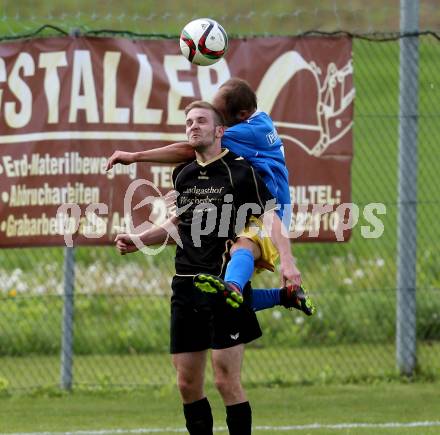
point(157, 235)
point(289, 272)
point(125, 244)
point(175, 153)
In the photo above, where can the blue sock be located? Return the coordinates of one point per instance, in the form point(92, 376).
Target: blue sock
point(240, 268)
point(265, 298)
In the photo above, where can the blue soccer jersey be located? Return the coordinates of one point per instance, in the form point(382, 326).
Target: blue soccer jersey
point(257, 140)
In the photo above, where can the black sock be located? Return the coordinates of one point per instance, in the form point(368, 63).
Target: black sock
point(198, 417)
point(239, 419)
point(283, 296)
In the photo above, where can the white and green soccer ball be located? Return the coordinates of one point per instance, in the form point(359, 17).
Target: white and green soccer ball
point(203, 41)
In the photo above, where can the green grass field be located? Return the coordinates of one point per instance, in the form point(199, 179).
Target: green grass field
point(122, 412)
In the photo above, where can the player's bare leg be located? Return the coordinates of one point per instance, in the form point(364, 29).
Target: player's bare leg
point(245, 243)
point(190, 368)
point(227, 376)
point(226, 364)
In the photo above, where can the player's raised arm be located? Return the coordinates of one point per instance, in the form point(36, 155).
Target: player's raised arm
point(289, 272)
point(157, 235)
point(175, 153)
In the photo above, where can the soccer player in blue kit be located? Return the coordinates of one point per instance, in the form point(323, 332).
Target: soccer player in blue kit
point(252, 135)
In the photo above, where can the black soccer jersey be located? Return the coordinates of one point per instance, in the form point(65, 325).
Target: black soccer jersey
point(216, 199)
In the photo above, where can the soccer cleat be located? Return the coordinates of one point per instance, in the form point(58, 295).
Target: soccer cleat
point(297, 297)
point(213, 284)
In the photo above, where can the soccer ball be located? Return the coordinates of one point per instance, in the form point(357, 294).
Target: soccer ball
point(203, 41)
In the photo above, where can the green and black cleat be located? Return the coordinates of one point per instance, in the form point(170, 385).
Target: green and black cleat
point(213, 284)
point(298, 298)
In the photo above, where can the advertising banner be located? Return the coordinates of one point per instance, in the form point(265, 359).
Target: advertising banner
point(67, 103)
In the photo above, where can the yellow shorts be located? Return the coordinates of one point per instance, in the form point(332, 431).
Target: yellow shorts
point(269, 253)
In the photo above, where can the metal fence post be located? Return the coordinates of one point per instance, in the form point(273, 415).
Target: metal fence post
point(68, 307)
point(67, 320)
point(407, 199)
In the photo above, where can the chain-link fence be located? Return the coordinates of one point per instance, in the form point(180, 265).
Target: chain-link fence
point(121, 304)
point(247, 17)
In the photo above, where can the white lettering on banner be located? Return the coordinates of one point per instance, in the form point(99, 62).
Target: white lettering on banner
point(15, 168)
point(83, 93)
point(313, 222)
point(178, 89)
point(71, 163)
point(78, 193)
point(142, 92)
point(51, 62)
point(112, 114)
point(339, 221)
point(91, 225)
point(314, 194)
point(18, 118)
point(162, 176)
point(119, 224)
point(332, 87)
point(24, 226)
point(207, 87)
point(82, 78)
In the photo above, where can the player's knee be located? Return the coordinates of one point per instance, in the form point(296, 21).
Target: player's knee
point(188, 388)
point(231, 391)
point(227, 385)
point(223, 385)
point(244, 243)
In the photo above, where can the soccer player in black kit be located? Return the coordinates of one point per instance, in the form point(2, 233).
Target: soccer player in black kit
point(217, 192)
point(217, 195)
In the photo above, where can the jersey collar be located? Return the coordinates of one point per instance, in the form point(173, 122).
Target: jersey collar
point(217, 157)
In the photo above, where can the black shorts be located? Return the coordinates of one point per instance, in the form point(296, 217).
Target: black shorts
point(201, 321)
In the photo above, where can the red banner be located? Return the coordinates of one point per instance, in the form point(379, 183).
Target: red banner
point(67, 103)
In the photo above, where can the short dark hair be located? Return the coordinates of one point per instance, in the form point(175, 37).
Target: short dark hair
point(238, 96)
point(199, 104)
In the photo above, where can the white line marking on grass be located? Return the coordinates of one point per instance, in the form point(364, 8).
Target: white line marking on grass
point(299, 427)
point(394, 425)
